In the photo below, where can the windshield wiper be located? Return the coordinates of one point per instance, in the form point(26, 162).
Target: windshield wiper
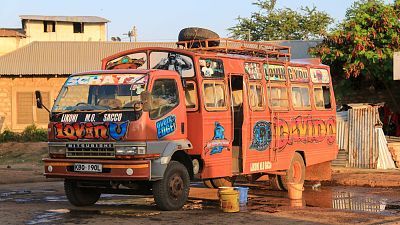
point(69, 111)
point(72, 111)
point(104, 111)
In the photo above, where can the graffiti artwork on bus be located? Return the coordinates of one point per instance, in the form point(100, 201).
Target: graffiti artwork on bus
point(304, 129)
point(261, 135)
point(104, 131)
point(219, 142)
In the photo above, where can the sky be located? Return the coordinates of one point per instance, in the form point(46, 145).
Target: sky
point(157, 20)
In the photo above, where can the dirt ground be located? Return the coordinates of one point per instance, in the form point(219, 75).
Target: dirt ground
point(45, 203)
point(26, 197)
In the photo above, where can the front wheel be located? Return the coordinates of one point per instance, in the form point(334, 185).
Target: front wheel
point(79, 196)
point(172, 192)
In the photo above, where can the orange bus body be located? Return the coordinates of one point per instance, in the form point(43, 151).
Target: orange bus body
point(269, 134)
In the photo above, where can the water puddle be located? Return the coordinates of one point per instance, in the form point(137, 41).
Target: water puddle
point(371, 200)
point(26, 196)
point(354, 199)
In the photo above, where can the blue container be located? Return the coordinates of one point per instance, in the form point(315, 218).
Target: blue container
point(243, 192)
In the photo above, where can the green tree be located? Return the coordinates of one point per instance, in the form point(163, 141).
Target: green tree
point(270, 23)
point(363, 44)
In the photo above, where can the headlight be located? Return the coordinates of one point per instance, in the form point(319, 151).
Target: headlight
point(130, 150)
point(57, 150)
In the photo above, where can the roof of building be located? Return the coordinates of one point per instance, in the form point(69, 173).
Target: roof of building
point(11, 32)
point(82, 19)
point(298, 48)
point(64, 58)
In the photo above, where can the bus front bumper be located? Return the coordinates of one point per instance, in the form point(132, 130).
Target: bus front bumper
point(109, 169)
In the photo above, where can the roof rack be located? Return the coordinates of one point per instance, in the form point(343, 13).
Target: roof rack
point(237, 47)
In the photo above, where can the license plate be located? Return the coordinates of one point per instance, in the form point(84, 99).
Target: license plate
point(86, 167)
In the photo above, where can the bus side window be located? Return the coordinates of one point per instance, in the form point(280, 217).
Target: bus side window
point(301, 97)
point(256, 97)
point(322, 96)
point(165, 95)
point(214, 96)
point(278, 97)
point(190, 96)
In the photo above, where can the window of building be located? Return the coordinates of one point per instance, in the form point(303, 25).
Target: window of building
point(49, 26)
point(165, 96)
point(256, 97)
point(278, 97)
point(27, 113)
point(300, 97)
point(78, 27)
point(322, 96)
point(191, 96)
point(214, 95)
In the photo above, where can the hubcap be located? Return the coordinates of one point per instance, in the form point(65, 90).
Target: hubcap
point(176, 186)
point(296, 172)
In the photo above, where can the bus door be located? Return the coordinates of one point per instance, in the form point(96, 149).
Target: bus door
point(239, 110)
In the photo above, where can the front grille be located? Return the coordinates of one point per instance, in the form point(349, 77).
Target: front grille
point(90, 150)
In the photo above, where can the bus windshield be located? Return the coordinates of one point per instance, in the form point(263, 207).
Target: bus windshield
point(101, 92)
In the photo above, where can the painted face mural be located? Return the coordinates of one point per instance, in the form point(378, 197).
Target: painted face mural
point(166, 126)
point(261, 135)
point(103, 131)
point(219, 142)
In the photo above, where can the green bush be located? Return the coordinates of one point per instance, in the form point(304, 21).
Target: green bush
point(30, 134)
point(8, 136)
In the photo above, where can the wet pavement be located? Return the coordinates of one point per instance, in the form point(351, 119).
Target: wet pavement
point(45, 203)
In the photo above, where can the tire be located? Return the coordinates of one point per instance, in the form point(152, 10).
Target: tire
point(296, 172)
point(78, 196)
point(196, 34)
point(222, 182)
point(208, 183)
point(172, 192)
point(276, 183)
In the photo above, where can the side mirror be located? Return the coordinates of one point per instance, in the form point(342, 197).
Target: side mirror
point(39, 103)
point(146, 99)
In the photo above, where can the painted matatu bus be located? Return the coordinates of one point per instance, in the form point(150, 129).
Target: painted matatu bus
point(154, 118)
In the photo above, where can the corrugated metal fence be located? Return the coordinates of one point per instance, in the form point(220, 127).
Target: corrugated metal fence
point(357, 134)
point(342, 133)
point(363, 138)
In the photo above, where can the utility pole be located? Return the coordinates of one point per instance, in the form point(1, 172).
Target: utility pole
point(132, 34)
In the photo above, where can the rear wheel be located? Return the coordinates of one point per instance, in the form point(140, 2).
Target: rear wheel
point(79, 196)
point(172, 192)
point(276, 182)
point(295, 174)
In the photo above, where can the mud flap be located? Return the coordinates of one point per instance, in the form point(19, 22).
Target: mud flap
point(320, 172)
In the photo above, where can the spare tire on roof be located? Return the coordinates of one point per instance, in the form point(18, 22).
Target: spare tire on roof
point(198, 34)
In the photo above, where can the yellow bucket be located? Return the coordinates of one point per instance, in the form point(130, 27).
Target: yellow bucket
point(229, 199)
point(295, 191)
